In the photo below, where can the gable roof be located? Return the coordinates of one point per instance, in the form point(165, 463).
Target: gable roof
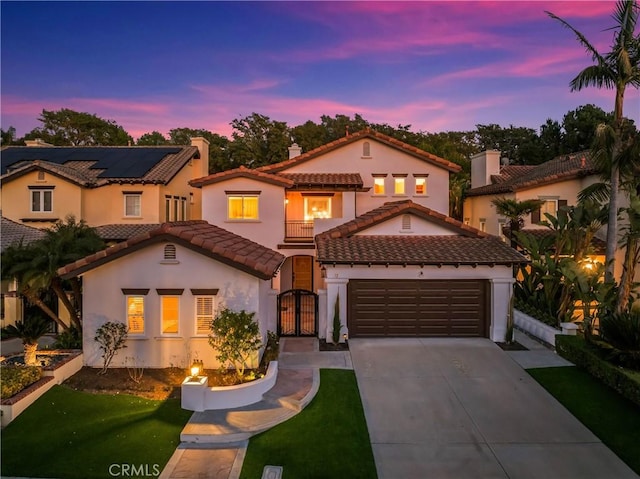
point(514, 178)
point(319, 180)
point(94, 166)
point(199, 236)
point(241, 172)
point(469, 246)
point(12, 232)
point(363, 134)
point(120, 232)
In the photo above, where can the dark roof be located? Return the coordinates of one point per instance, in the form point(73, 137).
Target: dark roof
point(200, 236)
point(99, 165)
point(366, 133)
point(241, 172)
point(120, 232)
point(467, 246)
point(514, 178)
point(12, 232)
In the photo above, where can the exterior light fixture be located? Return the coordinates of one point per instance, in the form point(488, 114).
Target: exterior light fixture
point(196, 368)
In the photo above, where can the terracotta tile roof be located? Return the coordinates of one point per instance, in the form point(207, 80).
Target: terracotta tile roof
point(514, 178)
point(121, 232)
point(366, 133)
point(416, 250)
point(114, 165)
point(200, 236)
point(395, 208)
point(324, 179)
point(12, 232)
point(242, 172)
point(467, 246)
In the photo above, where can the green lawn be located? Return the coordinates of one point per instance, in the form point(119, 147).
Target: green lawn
point(328, 439)
point(72, 434)
point(611, 417)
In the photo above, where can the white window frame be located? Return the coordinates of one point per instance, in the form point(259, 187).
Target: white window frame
point(397, 181)
point(162, 299)
point(380, 181)
point(41, 203)
point(548, 199)
point(207, 318)
point(144, 319)
point(415, 186)
point(128, 196)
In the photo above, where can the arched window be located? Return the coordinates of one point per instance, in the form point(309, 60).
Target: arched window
point(170, 252)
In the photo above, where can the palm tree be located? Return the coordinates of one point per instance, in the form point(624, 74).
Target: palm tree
point(616, 70)
point(29, 331)
point(515, 211)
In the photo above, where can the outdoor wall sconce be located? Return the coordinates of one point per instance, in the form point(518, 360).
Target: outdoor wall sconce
point(196, 368)
point(323, 272)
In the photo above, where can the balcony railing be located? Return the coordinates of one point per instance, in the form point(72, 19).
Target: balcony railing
point(298, 230)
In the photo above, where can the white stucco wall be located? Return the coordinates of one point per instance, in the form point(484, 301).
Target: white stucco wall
point(419, 226)
point(103, 301)
point(383, 159)
point(268, 230)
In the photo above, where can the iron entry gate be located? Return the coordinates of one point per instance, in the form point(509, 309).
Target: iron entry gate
point(297, 313)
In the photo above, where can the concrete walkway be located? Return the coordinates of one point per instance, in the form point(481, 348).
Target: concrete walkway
point(213, 443)
point(463, 408)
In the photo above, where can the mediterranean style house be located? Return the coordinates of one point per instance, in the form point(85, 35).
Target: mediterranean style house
point(115, 185)
point(363, 223)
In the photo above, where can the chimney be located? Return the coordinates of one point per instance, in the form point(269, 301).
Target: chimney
point(203, 147)
point(294, 150)
point(36, 142)
point(483, 166)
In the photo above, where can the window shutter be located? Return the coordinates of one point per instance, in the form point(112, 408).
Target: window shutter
point(535, 216)
point(562, 203)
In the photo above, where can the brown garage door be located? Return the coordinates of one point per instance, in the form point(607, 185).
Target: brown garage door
point(417, 308)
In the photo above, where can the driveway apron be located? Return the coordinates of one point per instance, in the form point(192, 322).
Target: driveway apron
point(462, 408)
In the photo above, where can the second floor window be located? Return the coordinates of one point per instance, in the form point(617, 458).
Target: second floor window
point(242, 207)
point(378, 185)
point(41, 200)
point(398, 185)
point(132, 204)
point(421, 186)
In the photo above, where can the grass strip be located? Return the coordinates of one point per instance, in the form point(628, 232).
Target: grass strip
point(610, 416)
point(329, 438)
point(81, 435)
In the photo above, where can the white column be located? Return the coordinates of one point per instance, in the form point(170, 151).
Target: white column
point(322, 313)
point(501, 291)
point(336, 287)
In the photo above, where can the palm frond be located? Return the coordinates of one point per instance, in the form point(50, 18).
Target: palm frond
point(581, 38)
point(595, 75)
point(597, 192)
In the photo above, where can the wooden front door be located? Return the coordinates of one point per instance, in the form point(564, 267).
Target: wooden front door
point(303, 272)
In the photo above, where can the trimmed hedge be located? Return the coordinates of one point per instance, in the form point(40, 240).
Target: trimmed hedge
point(15, 379)
point(576, 350)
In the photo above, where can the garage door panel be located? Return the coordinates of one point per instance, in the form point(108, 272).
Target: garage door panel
point(417, 308)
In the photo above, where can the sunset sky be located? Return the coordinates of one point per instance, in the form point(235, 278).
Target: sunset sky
point(437, 66)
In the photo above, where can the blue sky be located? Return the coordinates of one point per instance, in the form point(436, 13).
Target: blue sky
point(437, 66)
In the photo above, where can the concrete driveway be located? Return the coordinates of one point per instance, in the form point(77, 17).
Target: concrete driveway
point(462, 408)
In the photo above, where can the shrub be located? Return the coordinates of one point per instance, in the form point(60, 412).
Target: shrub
point(111, 337)
point(235, 336)
point(622, 332)
point(578, 351)
point(15, 379)
point(337, 324)
point(69, 339)
point(272, 349)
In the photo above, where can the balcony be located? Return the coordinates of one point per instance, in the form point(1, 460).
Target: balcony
point(299, 230)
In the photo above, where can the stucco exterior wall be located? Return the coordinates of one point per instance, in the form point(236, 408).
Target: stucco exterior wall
point(393, 226)
point(16, 199)
point(105, 205)
point(383, 159)
point(268, 230)
point(104, 301)
point(477, 207)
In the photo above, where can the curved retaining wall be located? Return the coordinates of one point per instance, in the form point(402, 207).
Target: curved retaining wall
point(198, 396)
point(536, 328)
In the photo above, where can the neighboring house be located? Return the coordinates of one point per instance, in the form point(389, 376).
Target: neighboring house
point(11, 304)
point(167, 284)
point(365, 218)
point(557, 182)
point(42, 184)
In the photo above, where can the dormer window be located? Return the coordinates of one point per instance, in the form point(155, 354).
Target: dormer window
point(41, 199)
